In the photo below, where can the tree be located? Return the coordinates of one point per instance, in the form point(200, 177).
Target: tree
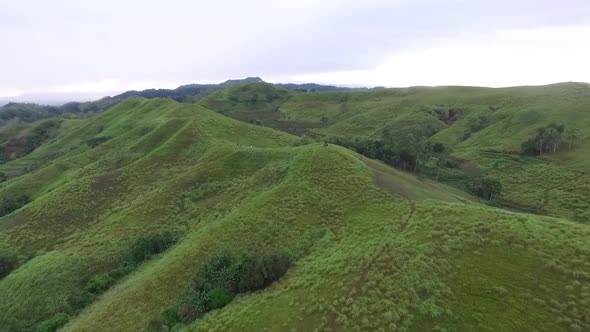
point(487, 188)
point(571, 137)
point(438, 148)
point(547, 138)
point(552, 138)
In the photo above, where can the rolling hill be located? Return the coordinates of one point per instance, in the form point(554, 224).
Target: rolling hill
point(141, 218)
point(482, 129)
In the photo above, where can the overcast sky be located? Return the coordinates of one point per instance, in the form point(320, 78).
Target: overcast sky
point(107, 46)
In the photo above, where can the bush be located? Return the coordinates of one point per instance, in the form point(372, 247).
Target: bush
point(51, 325)
point(276, 267)
point(188, 313)
point(9, 205)
point(486, 187)
point(170, 317)
point(219, 297)
point(148, 246)
point(8, 262)
point(438, 147)
point(225, 275)
point(251, 275)
point(98, 283)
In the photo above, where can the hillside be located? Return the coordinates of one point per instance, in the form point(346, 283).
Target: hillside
point(126, 214)
point(481, 129)
point(20, 112)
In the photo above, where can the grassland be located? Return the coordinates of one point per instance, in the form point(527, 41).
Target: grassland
point(487, 135)
point(375, 248)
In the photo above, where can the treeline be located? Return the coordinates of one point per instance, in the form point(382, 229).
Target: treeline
point(404, 148)
point(410, 149)
point(550, 139)
point(28, 112)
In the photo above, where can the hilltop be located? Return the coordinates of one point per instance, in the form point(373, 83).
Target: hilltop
point(481, 131)
point(28, 112)
point(143, 216)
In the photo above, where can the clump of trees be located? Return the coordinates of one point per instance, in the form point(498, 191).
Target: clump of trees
point(11, 204)
point(220, 280)
point(486, 187)
point(141, 250)
point(550, 139)
point(406, 148)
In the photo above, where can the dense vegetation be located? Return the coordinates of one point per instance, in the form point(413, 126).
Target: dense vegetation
point(157, 212)
point(484, 133)
point(11, 204)
point(29, 112)
point(217, 283)
point(8, 262)
point(550, 139)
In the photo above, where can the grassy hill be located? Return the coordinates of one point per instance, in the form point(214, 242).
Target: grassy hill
point(482, 129)
point(128, 208)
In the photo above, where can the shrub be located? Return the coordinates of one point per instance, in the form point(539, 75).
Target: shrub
point(148, 246)
point(219, 297)
point(225, 275)
point(188, 313)
point(486, 187)
point(51, 325)
point(251, 275)
point(279, 264)
point(9, 205)
point(170, 317)
point(438, 147)
point(81, 300)
point(8, 262)
point(98, 283)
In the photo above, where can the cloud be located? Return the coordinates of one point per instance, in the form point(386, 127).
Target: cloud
point(98, 45)
point(11, 93)
point(501, 58)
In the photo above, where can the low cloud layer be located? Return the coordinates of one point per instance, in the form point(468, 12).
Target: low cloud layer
point(68, 46)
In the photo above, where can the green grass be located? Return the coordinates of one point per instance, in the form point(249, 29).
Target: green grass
point(376, 248)
point(512, 114)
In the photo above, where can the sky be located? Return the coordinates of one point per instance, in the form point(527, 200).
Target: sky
point(93, 48)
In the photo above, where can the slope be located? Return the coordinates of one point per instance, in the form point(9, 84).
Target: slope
point(482, 129)
point(365, 258)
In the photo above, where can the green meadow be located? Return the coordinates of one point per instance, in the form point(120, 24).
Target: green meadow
point(117, 221)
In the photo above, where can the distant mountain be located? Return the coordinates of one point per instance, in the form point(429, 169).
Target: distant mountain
point(161, 216)
point(313, 87)
point(27, 112)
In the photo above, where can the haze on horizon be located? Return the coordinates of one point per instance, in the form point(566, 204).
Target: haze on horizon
point(88, 49)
